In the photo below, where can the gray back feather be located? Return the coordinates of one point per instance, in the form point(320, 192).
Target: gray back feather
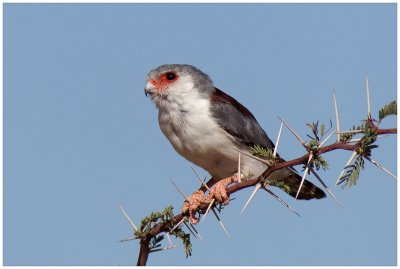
point(238, 121)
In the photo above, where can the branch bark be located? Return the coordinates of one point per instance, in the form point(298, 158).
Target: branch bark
point(165, 227)
point(144, 251)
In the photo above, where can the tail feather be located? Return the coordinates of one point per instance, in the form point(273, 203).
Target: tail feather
point(289, 181)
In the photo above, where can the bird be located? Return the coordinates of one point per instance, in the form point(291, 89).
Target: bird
point(209, 128)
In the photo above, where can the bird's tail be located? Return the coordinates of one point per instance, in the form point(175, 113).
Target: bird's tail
point(289, 181)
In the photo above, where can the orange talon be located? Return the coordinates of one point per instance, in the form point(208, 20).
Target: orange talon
point(192, 204)
point(219, 191)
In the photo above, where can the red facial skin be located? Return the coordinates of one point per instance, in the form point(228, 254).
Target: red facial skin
point(163, 81)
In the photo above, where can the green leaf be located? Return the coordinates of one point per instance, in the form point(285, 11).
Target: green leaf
point(352, 173)
point(322, 130)
point(277, 183)
point(261, 152)
point(179, 233)
point(318, 133)
point(387, 110)
point(319, 162)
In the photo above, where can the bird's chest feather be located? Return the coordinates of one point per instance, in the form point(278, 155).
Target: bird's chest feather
point(196, 136)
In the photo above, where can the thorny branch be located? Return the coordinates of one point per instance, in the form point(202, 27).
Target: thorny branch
point(302, 160)
point(166, 227)
point(149, 234)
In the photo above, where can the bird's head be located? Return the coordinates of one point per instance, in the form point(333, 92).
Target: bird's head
point(172, 81)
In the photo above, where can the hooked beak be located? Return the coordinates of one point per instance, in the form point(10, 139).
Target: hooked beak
point(149, 89)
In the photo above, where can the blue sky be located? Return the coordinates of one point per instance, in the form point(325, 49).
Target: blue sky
point(80, 138)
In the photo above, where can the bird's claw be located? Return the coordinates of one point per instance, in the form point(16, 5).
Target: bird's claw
point(192, 204)
point(219, 192)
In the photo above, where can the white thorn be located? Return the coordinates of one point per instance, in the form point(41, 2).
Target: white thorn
point(129, 219)
point(382, 136)
point(325, 186)
point(294, 133)
point(128, 239)
point(254, 157)
point(337, 117)
point(381, 167)
point(202, 181)
point(351, 132)
point(179, 223)
point(208, 209)
point(358, 139)
point(368, 96)
point(190, 230)
point(220, 222)
point(194, 229)
point(181, 192)
point(348, 162)
point(354, 140)
point(239, 172)
point(326, 139)
point(161, 249)
point(278, 139)
point(281, 201)
point(169, 239)
point(256, 188)
point(304, 175)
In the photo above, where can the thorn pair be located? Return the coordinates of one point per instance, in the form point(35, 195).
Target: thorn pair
point(135, 237)
point(353, 155)
point(167, 247)
point(132, 225)
point(308, 165)
point(337, 112)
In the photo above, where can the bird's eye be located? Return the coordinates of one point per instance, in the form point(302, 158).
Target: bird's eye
point(170, 76)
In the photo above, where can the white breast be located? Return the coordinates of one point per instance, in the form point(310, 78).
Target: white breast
point(189, 127)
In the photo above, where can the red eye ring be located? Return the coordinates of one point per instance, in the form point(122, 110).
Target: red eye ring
point(169, 77)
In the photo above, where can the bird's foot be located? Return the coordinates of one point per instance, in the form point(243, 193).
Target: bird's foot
point(219, 191)
point(192, 204)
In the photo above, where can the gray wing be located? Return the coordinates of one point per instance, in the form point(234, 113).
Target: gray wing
point(238, 121)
